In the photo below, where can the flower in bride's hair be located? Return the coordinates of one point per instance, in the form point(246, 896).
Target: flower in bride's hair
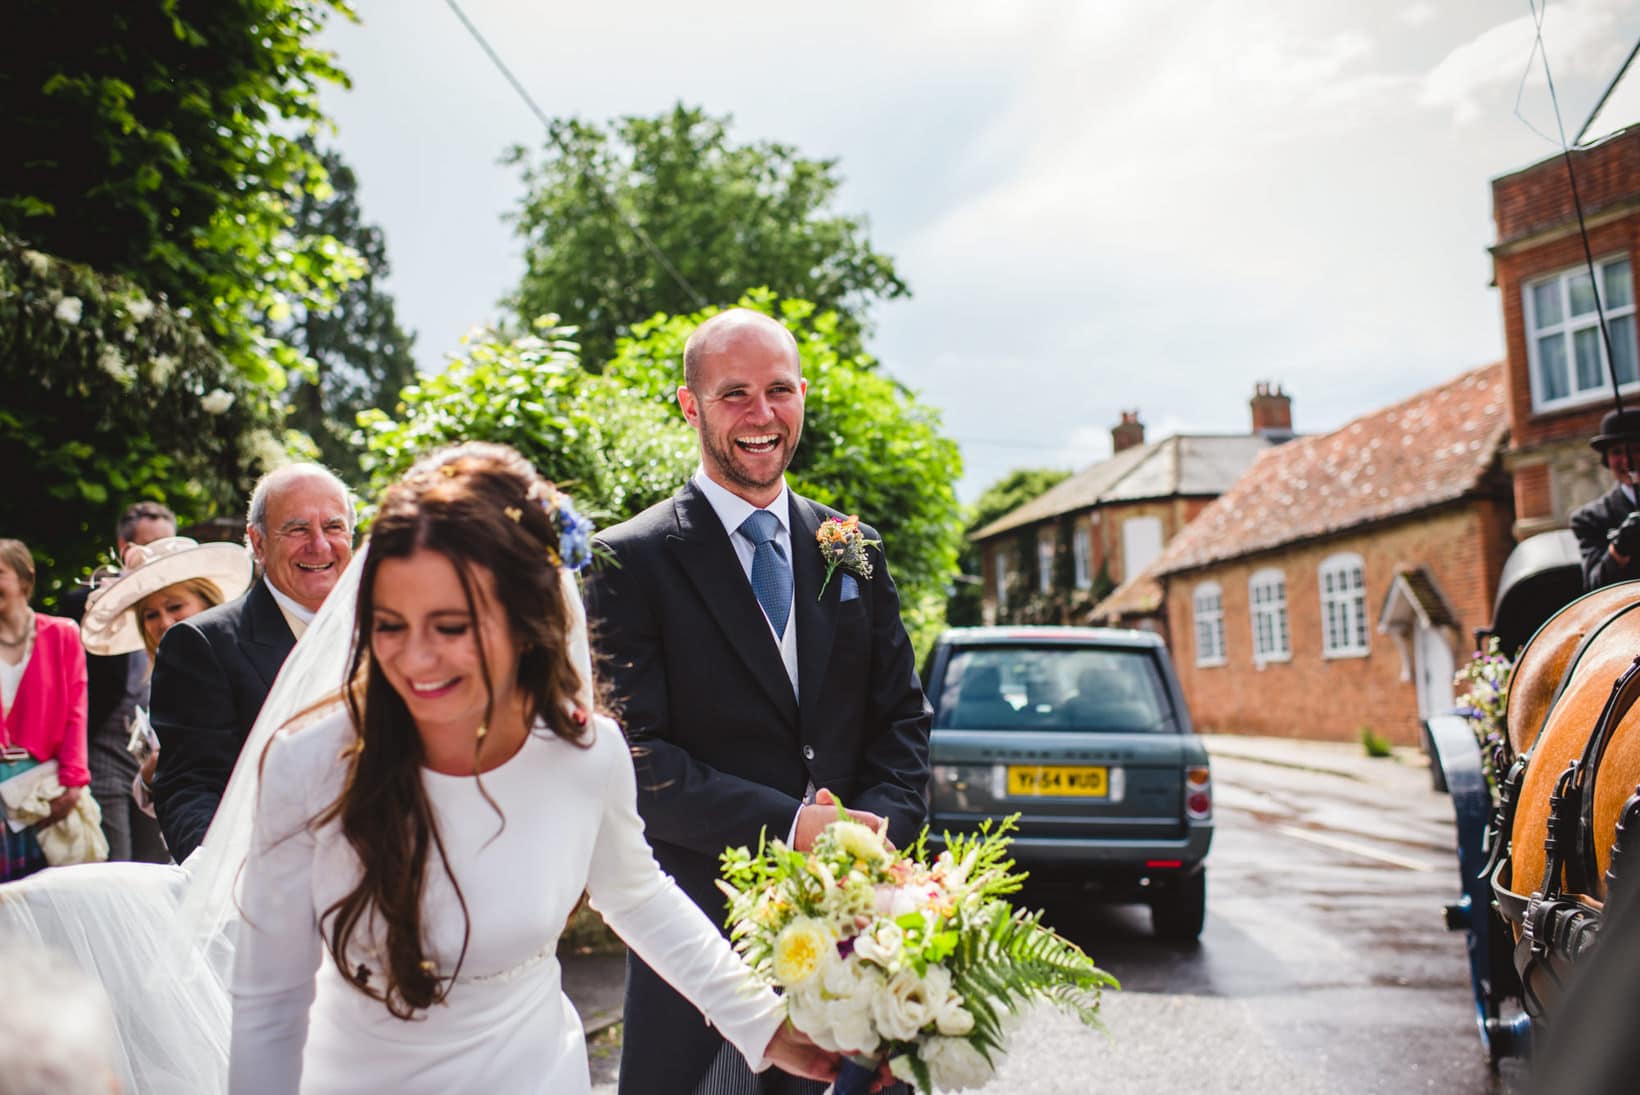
point(574, 549)
point(800, 949)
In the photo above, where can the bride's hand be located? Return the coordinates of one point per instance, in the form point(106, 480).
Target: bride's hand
point(791, 1051)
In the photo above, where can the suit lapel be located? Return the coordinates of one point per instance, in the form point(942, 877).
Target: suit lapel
point(816, 614)
point(265, 637)
point(708, 560)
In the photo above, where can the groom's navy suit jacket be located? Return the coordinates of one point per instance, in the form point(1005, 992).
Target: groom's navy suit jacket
point(723, 750)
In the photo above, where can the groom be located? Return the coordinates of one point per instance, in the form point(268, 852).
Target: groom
point(752, 700)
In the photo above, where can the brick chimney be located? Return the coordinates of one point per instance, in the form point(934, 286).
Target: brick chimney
point(1127, 433)
point(1272, 411)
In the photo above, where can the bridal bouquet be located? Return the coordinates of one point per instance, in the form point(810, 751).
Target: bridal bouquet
point(883, 955)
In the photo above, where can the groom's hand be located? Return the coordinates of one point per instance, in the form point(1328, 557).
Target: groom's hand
point(822, 812)
point(790, 1050)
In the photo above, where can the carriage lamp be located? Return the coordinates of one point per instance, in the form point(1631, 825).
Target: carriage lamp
point(1198, 798)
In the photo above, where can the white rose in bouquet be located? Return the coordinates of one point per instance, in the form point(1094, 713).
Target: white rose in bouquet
point(955, 1065)
point(882, 943)
point(901, 1008)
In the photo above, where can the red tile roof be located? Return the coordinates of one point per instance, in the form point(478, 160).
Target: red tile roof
point(1433, 448)
point(1140, 595)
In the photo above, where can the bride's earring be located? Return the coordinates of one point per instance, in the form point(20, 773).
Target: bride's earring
point(478, 739)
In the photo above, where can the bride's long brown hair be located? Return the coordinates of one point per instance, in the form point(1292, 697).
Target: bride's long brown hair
point(478, 505)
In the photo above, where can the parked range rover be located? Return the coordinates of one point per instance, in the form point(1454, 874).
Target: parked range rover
point(1084, 733)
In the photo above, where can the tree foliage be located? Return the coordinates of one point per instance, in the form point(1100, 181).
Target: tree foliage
point(618, 441)
point(608, 209)
point(360, 355)
point(997, 500)
point(616, 454)
point(113, 397)
point(158, 141)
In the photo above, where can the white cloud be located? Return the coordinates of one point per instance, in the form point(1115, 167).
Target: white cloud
point(1416, 15)
point(1580, 39)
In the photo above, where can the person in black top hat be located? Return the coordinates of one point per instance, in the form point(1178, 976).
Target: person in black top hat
point(1608, 529)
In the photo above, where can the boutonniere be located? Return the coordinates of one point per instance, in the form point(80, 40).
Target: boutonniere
point(842, 544)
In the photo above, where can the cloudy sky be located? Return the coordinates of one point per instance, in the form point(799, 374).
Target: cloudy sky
point(1099, 205)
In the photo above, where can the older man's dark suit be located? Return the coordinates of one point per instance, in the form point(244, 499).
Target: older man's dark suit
point(1590, 523)
point(723, 750)
point(211, 676)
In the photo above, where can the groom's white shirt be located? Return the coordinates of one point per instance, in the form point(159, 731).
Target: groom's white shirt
point(733, 510)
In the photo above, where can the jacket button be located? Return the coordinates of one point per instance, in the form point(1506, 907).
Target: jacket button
point(808, 752)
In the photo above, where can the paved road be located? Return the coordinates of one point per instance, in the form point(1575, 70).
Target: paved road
point(1324, 968)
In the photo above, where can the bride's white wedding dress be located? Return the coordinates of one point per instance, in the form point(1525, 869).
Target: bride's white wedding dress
point(571, 823)
point(161, 939)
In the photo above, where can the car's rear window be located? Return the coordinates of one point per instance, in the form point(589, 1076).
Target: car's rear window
point(1115, 690)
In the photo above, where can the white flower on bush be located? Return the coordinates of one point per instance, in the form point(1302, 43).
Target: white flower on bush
point(953, 1064)
point(139, 308)
point(161, 367)
point(264, 449)
point(110, 362)
point(216, 401)
point(883, 943)
point(69, 309)
point(38, 263)
point(901, 1009)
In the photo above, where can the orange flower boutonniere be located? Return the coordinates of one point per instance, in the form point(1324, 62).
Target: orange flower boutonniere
point(842, 544)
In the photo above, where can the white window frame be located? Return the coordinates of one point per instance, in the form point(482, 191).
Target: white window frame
point(1567, 328)
point(1000, 562)
point(1207, 609)
point(1342, 583)
point(1082, 551)
point(1267, 606)
point(1046, 542)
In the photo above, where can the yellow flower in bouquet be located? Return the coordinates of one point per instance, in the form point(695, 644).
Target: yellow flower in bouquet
point(799, 950)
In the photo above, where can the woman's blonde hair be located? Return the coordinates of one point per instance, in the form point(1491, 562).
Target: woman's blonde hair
point(203, 588)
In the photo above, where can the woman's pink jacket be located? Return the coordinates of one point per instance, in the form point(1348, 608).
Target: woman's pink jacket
point(48, 716)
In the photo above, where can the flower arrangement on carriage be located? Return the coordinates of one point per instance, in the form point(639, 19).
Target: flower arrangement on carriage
point(890, 956)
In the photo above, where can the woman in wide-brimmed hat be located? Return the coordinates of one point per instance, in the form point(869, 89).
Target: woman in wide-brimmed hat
point(165, 581)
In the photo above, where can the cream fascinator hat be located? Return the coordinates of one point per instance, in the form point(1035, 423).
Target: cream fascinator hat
point(110, 627)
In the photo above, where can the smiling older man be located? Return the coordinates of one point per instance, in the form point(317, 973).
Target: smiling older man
point(214, 670)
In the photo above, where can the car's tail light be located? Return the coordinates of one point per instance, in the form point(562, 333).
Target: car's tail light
point(1198, 793)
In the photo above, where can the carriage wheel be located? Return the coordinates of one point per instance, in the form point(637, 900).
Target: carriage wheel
point(1491, 968)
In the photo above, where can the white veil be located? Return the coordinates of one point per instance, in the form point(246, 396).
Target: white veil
point(160, 938)
point(315, 669)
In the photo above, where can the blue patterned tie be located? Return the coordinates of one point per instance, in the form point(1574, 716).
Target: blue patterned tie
point(771, 573)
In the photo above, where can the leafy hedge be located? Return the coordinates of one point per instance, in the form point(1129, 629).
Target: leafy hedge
point(618, 442)
point(111, 397)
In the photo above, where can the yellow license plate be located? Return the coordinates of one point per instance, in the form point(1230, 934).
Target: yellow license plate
point(1060, 781)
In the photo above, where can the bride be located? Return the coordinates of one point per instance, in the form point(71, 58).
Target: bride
point(392, 890)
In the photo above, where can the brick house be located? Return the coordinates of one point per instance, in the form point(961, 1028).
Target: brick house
point(1558, 378)
point(1054, 558)
point(1337, 583)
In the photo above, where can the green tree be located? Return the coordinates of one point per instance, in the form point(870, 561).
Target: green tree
point(159, 141)
point(112, 396)
point(1000, 498)
point(615, 218)
point(360, 355)
point(617, 440)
